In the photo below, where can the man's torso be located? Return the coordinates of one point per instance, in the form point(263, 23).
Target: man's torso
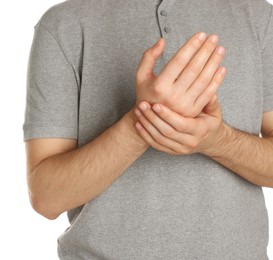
point(163, 206)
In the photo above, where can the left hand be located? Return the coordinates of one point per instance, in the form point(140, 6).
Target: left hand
point(170, 132)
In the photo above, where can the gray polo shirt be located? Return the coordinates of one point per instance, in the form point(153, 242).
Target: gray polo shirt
point(81, 79)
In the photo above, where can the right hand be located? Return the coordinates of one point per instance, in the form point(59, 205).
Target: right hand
point(187, 82)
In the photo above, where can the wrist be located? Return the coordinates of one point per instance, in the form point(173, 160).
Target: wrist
point(218, 141)
point(128, 124)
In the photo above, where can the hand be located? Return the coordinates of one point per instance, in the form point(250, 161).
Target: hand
point(187, 82)
point(168, 131)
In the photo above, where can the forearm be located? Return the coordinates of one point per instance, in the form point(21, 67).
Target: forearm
point(68, 180)
point(247, 155)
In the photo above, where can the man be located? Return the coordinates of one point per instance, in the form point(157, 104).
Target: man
point(187, 184)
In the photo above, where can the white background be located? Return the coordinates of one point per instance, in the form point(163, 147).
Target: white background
point(24, 233)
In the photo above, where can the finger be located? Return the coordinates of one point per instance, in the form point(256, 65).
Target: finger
point(180, 123)
point(213, 100)
point(196, 65)
point(148, 61)
point(165, 128)
point(148, 116)
point(205, 77)
point(180, 59)
point(210, 91)
point(158, 136)
point(213, 107)
point(149, 139)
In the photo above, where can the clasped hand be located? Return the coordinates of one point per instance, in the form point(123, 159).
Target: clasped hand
point(178, 111)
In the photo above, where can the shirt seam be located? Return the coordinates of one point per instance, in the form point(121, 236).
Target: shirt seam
point(68, 61)
point(267, 28)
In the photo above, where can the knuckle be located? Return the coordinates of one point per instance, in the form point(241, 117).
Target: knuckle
point(219, 74)
point(192, 144)
point(192, 113)
point(185, 150)
point(146, 138)
point(209, 47)
point(194, 68)
point(183, 109)
point(186, 113)
point(195, 44)
point(156, 144)
point(146, 53)
point(203, 130)
point(215, 66)
point(217, 79)
point(180, 60)
point(159, 139)
point(204, 80)
point(215, 61)
point(181, 127)
point(173, 99)
point(185, 105)
point(207, 97)
point(157, 87)
point(186, 108)
point(168, 132)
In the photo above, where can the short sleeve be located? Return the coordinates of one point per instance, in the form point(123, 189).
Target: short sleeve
point(267, 64)
point(51, 109)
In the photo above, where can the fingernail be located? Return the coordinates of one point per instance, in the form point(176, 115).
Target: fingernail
point(138, 125)
point(143, 106)
point(201, 36)
point(220, 50)
point(138, 113)
point(157, 108)
point(214, 38)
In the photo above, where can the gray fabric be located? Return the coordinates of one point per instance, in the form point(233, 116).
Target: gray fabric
point(81, 79)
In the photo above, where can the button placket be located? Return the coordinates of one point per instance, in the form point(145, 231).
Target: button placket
point(163, 21)
point(167, 29)
point(165, 26)
point(163, 12)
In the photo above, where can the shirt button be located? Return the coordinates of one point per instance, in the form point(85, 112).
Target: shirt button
point(167, 29)
point(163, 13)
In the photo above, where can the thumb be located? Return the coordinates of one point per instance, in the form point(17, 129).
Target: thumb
point(149, 58)
point(213, 107)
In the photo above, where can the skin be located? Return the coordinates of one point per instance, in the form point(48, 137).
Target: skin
point(188, 81)
point(61, 176)
point(168, 131)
